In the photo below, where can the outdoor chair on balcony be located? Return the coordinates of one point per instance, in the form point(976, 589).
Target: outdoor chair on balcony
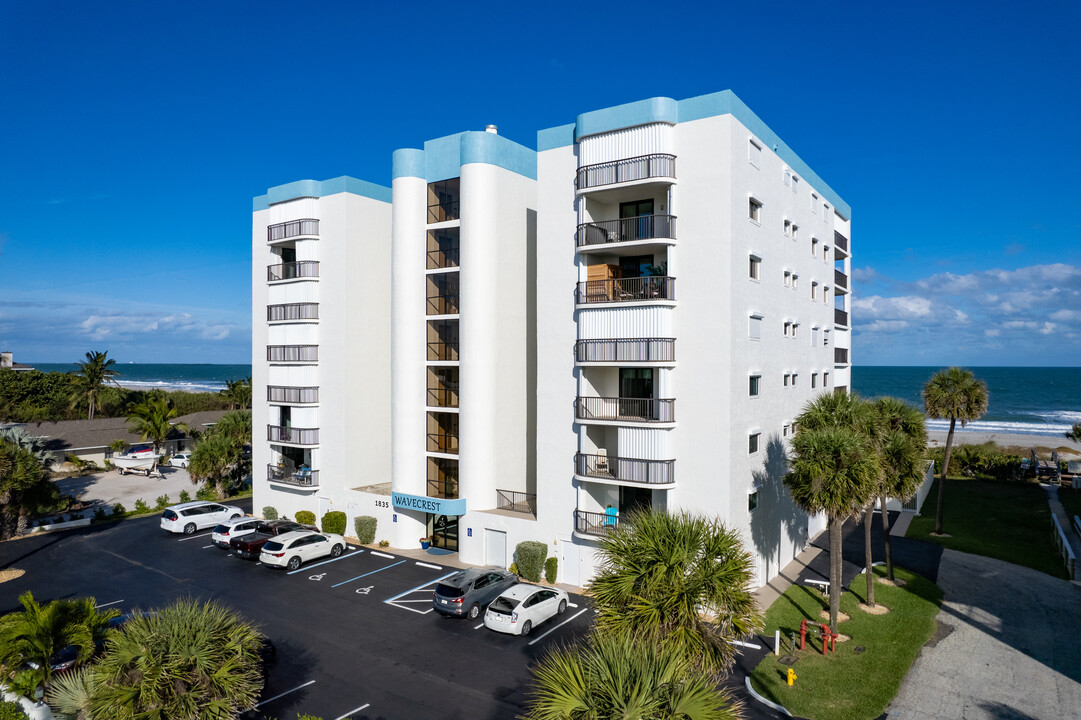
point(601, 466)
point(303, 476)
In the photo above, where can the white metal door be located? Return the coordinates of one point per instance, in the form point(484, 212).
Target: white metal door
point(495, 547)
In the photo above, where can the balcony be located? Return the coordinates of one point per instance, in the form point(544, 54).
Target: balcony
point(632, 410)
point(515, 501)
point(292, 435)
point(632, 471)
point(643, 227)
point(630, 350)
point(626, 290)
point(292, 271)
point(840, 356)
point(292, 353)
point(840, 242)
point(301, 478)
point(594, 523)
point(840, 317)
point(643, 167)
point(290, 395)
point(840, 280)
point(292, 230)
point(289, 312)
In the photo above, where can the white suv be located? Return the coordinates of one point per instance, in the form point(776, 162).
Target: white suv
point(191, 516)
point(300, 546)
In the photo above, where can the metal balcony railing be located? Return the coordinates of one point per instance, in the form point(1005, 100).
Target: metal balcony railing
point(295, 476)
point(642, 167)
point(594, 523)
point(627, 290)
point(643, 227)
point(628, 470)
point(840, 280)
point(840, 356)
point(443, 442)
point(840, 242)
point(292, 395)
point(638, 410)
point(840, 317)
point(292, 353)
point(516, 501)
point(292, 311)
point(628, 350)
point(307, 227)
point(292, 435)
point(293, 270)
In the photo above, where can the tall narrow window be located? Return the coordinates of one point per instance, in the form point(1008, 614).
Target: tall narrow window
point(755, 267)
point(795, 183)
point(787, 177)
point(814, 291)
point(753, 385)
point(814, 247)
point(754, 210)
point(795, 232)
point(754, 327)
point(787, 228)
point(814, 204)
point(754, 153)
point(752, 443)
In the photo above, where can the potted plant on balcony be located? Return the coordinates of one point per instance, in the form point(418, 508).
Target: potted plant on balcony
point(425, 542)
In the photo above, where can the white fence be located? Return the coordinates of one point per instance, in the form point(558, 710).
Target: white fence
point(914, 503)
point(1064, 548)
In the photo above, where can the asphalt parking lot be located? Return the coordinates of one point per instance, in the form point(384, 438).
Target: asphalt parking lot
point(356, 637)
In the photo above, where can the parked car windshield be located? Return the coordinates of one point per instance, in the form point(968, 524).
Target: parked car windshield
point(503, 604)
point(273, 546)
point(448, 591)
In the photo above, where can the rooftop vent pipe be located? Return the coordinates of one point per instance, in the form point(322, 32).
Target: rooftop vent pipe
point(493, 129)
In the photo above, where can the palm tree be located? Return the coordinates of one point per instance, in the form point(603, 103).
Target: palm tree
point(833, 471)
point(957, 394)
point(219, 456)
point(93, 375)
point(677, 579)
point(616, 676)
point(190, 660)
point(238, 392)
point(24, 484)
point(150, 419)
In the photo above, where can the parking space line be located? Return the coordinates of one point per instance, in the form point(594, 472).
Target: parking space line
point(114, 602)
point(206, 546)
point(382, 555)
point(280, 695)
point(343, 556)
point(342, 717)
point(478, 627)
point(358, 577)
point(195, 537)
point(400, 603)
point(433, 567)
point(552, 630)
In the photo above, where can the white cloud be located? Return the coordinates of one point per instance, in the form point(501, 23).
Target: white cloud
point(100, 327)
point(992, 333)
point(875, 307)
point(885, 326)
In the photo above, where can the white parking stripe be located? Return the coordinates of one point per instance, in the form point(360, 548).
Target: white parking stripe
point(401, 603)
point(382, 555)
point(478, 627)
point(280, 695)
point(342, 717)
point(114, 602)
point(552, 630)
point(433, 567)
point(193, 537)
point(343, 556)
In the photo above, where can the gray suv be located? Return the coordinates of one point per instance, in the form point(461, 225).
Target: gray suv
point(465, 593)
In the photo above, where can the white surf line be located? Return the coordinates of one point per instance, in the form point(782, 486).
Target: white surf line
point(427, 565)
point(114, 602)
point(552, 630)
point(343, 556)
point(382, 555)
point(281, 695)
point(195, 537)
point(342, 717)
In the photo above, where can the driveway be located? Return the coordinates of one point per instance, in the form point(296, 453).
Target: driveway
point(110, 487)
point(1007, 647)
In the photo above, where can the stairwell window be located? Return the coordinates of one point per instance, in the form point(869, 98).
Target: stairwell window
point(754, 210)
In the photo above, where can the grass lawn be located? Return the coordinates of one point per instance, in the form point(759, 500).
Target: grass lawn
point(1007, 521)
point(857, 681)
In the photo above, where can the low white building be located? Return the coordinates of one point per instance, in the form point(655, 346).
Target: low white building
point(515, 344)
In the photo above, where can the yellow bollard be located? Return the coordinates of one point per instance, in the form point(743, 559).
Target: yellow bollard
point(791, 677)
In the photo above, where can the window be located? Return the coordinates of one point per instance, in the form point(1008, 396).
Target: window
point(786, 430)
point(795, 379)
point(814, 247)
point(787, 377)
point(814, 336)
point(825, 338)
point(787, 329)
point(753, 385)
point(814, 204)
point(754, 210)
point(814, 290)
point(795, 183)
point(825, 253)
point(788, 278)
point(755, 267)
point(795, 279)
point(752, 501)
point(754, 153)
point(826, 295)
point(752, 443)
point(825, 212)
point(788, 228)
point(787, 177)
point(443, 197)
point(814, 380)
point(795, 326)
point(825, 379)
point(795, 231)
point(754, 327)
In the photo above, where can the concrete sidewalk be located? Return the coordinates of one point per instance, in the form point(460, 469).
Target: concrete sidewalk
point(1065, 521)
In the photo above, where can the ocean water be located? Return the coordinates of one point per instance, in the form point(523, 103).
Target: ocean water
point(1022, 400)
point(147, 376)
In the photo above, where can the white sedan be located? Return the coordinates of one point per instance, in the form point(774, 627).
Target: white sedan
point(191, 516)
point(522, 608)
point(235, 527)
point(293, 549)
point(180, 460)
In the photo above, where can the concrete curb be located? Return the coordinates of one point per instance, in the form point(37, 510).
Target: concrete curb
point(58, 526)
point(759, 698)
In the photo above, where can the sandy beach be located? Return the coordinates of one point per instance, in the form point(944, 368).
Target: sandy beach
point(936, 438)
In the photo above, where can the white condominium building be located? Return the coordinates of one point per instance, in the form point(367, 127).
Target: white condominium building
point(631, 315)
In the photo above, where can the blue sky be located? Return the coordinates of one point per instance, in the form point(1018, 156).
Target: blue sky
point(135, 135)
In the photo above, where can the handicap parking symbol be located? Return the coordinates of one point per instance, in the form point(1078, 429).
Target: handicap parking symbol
point(365, 590)
point(318, 577)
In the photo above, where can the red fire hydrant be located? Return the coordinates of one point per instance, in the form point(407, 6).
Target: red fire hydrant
point(829, 639)
point(803, 634)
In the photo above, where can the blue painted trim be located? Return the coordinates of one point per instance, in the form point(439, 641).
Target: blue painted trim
point(556, 137)
point(408, 162)
point(642, 112)
point(442, 158)
point(492, 149)
point(423, 503)
point(316, 188)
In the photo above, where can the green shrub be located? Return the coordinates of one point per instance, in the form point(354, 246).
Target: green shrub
point(986, 461)
point(141, 508)
point(99, 514)
point(551, 569)
point(530, 555)
point(270, 512)
point(333, 522)
point(305, 517)
point(163, 502)
point(514, 568)
point(119, 510)
point(185, 496)
point(207, 492)
point(10, 710)
point(365, 527)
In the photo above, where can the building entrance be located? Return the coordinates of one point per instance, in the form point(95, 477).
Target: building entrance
point(443, 529)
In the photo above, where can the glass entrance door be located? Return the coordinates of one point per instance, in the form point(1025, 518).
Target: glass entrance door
point(639, 229)
point(443, 529)
point(636, 392)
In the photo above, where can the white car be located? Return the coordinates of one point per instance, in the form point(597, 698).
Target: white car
point(524, 607)
point(300, 546)
point(234, 527)
point(180, 459)
point(191, 516)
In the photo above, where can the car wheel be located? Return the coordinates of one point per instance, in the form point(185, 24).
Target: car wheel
point(336, 551)
point(562, 607)
point(294, 562)
point(189, 529)
point(474, 611)
point(527, 627)
point(234, 516)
